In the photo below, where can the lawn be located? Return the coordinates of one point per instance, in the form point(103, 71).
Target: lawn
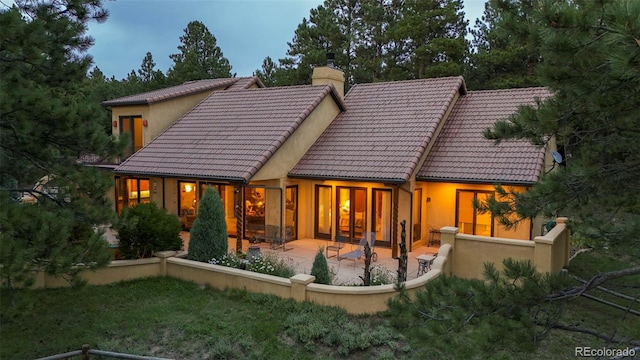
point(170, 318)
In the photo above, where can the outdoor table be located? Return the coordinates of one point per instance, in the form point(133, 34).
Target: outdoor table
point(424, 263)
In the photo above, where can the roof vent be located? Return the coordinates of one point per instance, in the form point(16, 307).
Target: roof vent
point(330, 58)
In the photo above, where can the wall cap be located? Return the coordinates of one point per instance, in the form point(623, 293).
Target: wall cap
point(302, 279)
point(449, 230)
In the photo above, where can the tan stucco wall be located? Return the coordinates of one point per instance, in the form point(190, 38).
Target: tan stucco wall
point(549, 253)
point(441, 208)
point(355, 300)
point(298, 143)
point(159, 115)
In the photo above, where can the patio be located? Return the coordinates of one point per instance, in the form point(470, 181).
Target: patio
point(301, 253)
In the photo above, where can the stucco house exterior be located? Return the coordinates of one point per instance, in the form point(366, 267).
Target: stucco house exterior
point(310, 162)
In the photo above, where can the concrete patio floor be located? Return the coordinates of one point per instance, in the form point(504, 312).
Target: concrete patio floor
point(301, 253)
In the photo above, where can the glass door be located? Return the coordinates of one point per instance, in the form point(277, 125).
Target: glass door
point(352, 212)
point(291, 213)
point(323, 212)
point(382, 216)
point(468, 219)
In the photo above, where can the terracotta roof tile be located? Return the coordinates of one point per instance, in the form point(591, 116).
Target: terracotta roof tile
point(383, 133)
point(229, 135)
point(461, 153)
point(188, 88)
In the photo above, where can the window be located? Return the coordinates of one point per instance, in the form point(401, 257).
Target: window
point(468, 219)
point(382, 216)
point(291, 211)
point(131, 127)
point(131, 192)
point(323, 212)
point(417, 214)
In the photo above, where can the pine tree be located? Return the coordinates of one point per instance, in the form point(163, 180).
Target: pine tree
point(320, 268)
point(506, 48)
point(48, 130)
point(592, 65)
point(209, 239)
point(199, 57)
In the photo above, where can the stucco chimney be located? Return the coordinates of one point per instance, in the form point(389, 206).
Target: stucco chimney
point(329, 75)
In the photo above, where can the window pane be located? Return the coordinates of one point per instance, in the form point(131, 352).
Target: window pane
point(323, 210)
point(483, 221)
point(344, 213)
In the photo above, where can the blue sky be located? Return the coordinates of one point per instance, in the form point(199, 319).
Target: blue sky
point(247, 31)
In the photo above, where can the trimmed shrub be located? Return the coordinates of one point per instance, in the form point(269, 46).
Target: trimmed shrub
point(146, 228)
point(209, 239)
point(320, 268)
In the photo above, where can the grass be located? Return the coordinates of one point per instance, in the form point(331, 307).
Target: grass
point(165, 317)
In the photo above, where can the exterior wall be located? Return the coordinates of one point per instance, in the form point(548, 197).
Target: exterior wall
point(298, 143)
point(440, 208)
point(549, 253)
point(159, 115)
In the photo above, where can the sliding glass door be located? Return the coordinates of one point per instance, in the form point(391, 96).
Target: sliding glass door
point(381, 218)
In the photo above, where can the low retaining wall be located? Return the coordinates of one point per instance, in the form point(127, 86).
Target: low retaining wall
point(354, 299)
point(548, 253)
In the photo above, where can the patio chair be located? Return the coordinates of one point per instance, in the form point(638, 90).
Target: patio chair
point(336, 245)
point(275, 238)
point(367, 238)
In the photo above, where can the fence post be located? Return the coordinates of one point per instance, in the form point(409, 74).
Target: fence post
point(299, 286)
point(85, 352)
point(163, 255)
point(448, 237)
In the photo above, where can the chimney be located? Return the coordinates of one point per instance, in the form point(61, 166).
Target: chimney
point(329, 75)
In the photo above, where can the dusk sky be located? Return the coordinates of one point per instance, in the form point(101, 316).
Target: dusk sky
point(247, 31)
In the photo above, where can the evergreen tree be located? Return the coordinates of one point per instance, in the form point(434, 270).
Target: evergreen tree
point(149, 77)
point(209, 239)
point(320, 268)
point(506, 48)
point(592, 65)
point(48, 129)
point(431, 34)
point(199, 57)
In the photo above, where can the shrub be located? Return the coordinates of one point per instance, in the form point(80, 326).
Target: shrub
point(146, 228)
point(209, 238)
point(272, 265)
point(320, 268)
point(380, 275)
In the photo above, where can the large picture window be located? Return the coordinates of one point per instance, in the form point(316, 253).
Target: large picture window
point(468, 219)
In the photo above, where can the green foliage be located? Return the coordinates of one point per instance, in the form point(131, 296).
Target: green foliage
point(507, 311)
point(320, 268)
point(506, 46)
point(199, 57)
point(209, 239)
point(380, 275)
point(33, 239)
point(271, 264)
point(377, 41)
point(47, 129)
point(594, 120)
point(146, 228)
point(314, 326)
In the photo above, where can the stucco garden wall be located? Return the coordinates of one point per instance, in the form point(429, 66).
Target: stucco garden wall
point(549, 253)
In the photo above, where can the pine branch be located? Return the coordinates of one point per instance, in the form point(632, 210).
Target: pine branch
point(594, 282)
point(595, 333)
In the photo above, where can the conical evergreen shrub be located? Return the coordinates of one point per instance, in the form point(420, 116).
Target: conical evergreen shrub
point(209, 238)
point(320, 268)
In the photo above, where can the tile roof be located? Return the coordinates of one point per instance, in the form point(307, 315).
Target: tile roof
point(188, 88)
point(229, 135)
point(384, 132)
point(461, 153)
point(246, 82)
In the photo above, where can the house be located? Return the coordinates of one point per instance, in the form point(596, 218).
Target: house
point(310, 162)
